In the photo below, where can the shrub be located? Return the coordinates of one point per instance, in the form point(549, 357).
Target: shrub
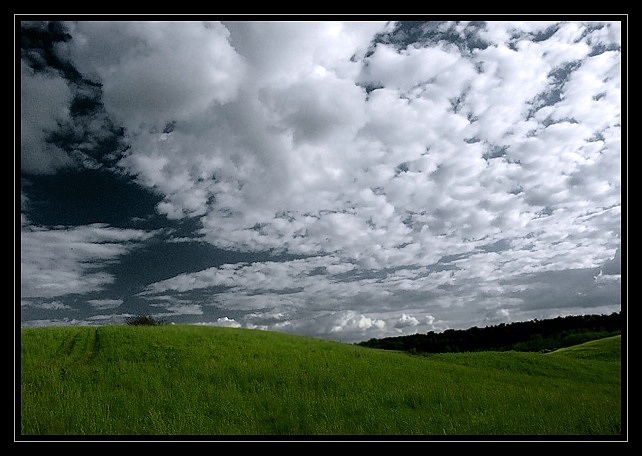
point(144, 320)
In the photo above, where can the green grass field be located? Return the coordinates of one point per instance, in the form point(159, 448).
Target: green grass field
point(197, 380)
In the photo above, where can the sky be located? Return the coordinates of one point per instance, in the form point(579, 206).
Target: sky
point(343, 180)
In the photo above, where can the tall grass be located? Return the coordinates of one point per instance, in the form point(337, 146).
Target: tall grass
point(194, 380)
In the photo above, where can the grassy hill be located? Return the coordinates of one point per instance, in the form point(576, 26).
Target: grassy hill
point(197, 380)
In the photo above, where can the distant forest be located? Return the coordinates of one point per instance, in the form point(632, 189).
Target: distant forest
point(532, 336)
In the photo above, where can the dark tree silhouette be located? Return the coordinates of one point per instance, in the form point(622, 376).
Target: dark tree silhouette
point(534, 335)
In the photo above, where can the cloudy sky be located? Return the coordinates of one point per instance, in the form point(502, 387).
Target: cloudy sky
point(340, 180)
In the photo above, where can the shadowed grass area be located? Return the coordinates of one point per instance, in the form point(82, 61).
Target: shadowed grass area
point(197, 380)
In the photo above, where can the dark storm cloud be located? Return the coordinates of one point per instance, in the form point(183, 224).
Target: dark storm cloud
point(38, 50)
point(79, 132)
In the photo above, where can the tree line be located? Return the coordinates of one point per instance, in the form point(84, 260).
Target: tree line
point(533, 335)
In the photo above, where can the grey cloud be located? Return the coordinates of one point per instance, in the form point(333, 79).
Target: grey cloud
point(68, 260)
point(315, 108)
point(105, 303)
point(163, 72)
point(44, 103)
point(614, 265)
point(567, 289)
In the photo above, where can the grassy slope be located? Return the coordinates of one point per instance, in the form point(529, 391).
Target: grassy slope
point(183, 379)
